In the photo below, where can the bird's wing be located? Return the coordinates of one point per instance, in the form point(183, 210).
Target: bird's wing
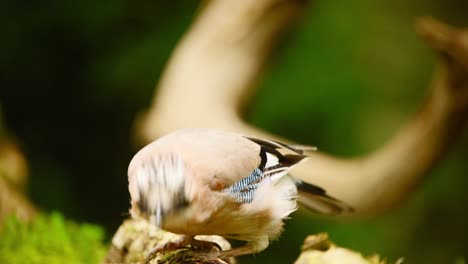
point(277, 159)
point(240, 163)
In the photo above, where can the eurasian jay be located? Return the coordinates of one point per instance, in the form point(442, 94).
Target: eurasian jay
point(212, 182)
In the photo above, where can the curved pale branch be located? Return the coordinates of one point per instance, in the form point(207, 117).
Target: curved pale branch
point(214, 68)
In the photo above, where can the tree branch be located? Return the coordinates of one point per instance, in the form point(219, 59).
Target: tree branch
point(136, 239)
point(214, 68)
point(319, 249)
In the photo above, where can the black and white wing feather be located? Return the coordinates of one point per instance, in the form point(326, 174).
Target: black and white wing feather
point(278, 158)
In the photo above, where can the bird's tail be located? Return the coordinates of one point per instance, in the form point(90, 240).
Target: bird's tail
point(317, 200)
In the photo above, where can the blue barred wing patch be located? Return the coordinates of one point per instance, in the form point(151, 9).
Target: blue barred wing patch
point(244, 190)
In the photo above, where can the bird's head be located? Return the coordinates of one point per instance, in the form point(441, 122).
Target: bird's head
point(158, 187)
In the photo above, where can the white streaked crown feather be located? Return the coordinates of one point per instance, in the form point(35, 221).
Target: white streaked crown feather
point(160, 185)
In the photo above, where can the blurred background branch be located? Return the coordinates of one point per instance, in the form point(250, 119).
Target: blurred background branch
point(13, 179)
point(213, 71)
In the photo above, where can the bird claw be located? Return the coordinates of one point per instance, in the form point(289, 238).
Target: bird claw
point(169, 246)
point(205, 245)
point(183, 242)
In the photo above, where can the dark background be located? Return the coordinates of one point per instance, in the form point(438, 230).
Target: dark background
point(75, 74)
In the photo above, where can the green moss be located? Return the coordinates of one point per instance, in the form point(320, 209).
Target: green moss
point(50, 239)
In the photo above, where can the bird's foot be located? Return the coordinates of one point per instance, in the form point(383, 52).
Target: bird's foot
point(182, 242)
point(205, 245)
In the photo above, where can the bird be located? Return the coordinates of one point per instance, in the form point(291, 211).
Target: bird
point(204, 181)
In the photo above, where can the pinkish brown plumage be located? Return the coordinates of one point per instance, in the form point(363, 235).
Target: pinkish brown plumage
point(211, 182)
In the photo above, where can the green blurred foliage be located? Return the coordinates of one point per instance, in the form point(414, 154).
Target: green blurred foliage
point(50, 239)
point(75, 74)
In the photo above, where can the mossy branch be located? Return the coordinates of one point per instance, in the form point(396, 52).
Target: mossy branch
point(135, 240)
